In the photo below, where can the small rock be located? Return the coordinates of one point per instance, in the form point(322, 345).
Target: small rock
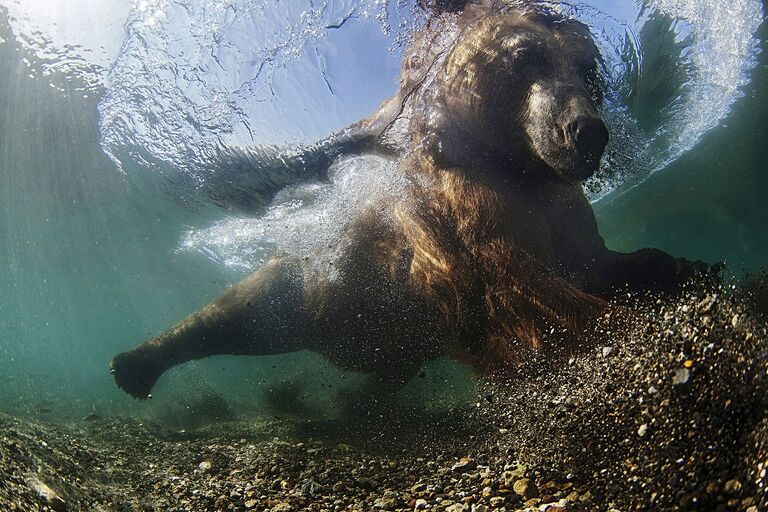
point(497, 501)
point(457, 507)
point(480, 508)
point(681, 376)
point(705, 306)
point(50, 496)
point(732, 486)
point(365, 483)
point(607, 351)
point(282, 507)
point(421, 504)
point(388, 501)
point(526, 488)
point(509, 476)
point(205, 466)
point(552, 507)
point(465, 464)
point(385, 503)
point(250, 503)
point(642, 430)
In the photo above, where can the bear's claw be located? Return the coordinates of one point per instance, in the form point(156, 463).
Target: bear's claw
point(134, 374)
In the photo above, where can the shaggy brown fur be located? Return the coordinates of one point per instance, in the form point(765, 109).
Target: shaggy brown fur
point(491, 254)
point(495, 296)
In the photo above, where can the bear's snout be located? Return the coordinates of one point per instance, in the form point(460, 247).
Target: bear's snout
point(589, 135)
point(565, 129)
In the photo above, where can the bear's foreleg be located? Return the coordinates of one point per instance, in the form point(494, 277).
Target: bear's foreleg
point(647, 269)
point(263, 314)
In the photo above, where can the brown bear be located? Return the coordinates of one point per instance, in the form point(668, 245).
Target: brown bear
point(491, 248)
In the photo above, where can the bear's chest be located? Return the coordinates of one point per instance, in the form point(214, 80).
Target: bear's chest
point(526, 225)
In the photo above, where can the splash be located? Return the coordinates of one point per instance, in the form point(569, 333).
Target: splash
point(685, 61)
point(306, 222)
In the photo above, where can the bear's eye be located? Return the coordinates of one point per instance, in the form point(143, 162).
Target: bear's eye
point(414, 62)
point(525, 55)
point(525, 51)
point(520, 52)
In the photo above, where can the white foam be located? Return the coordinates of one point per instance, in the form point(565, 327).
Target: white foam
point(306, 222)
point(723, 52)
point(718, 41)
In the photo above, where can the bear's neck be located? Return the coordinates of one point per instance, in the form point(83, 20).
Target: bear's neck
point(491, 202)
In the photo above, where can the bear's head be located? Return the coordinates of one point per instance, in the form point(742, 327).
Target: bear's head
point(513, 85)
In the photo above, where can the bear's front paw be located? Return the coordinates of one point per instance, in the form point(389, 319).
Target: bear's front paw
point(700, 271)
point(134, 373)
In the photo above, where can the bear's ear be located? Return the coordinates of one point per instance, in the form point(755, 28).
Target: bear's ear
point(441, 6)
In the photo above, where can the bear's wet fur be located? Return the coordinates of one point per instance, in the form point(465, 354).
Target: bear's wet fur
point(493, 253)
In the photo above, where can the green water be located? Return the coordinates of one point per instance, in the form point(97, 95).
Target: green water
point(711, 203)
point(87, 259)
point(88, 262)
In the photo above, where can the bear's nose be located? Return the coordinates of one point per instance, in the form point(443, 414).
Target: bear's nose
point(590, 136)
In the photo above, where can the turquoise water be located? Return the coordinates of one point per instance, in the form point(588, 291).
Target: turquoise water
point(97, 190)
point(709, 203)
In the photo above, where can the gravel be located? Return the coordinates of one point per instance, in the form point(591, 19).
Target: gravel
point(666, 411)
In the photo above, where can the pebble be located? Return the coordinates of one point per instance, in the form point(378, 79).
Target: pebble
point(732, 486)
point(386, 502)
point(525, 488)
point(510, 475)
point(465, 464)
point(497, 501)
point(552, 507)
point(48, 495)
point(681, 376)
point(705, 305)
